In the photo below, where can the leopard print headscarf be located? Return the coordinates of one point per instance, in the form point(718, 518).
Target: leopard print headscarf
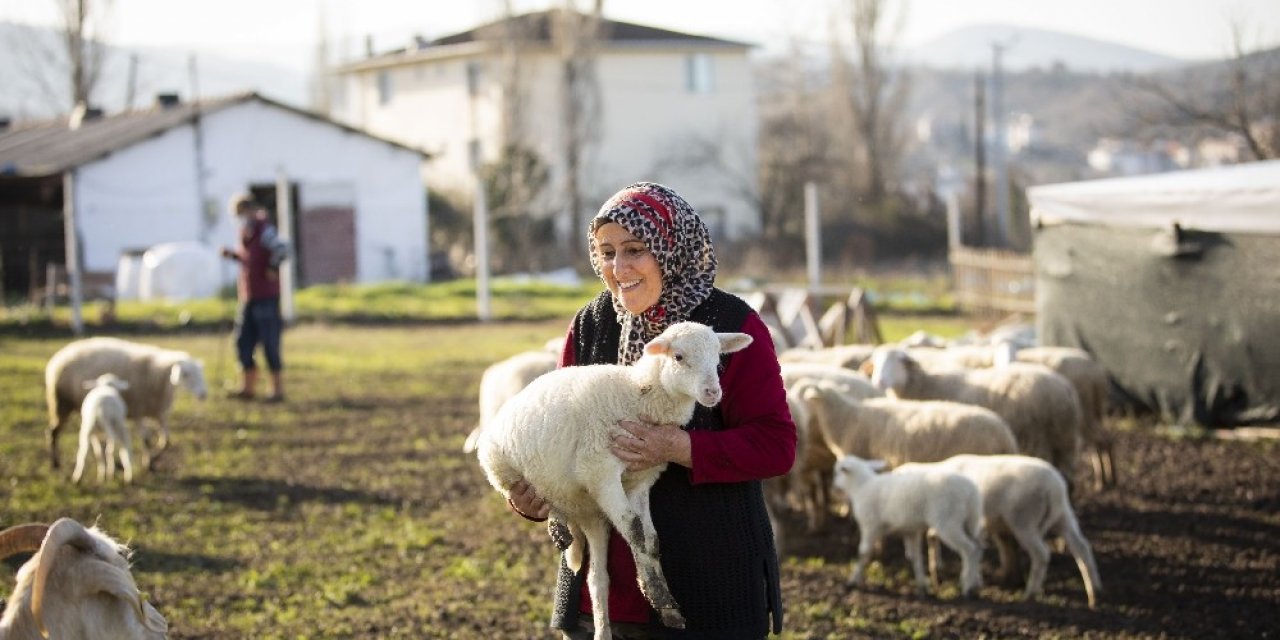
point(680, 242)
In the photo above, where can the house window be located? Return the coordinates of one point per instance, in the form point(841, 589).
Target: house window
point(385, 87)
point(698, 73)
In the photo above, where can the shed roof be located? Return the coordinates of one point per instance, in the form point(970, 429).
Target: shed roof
point(51, 147)
point(1238, 198)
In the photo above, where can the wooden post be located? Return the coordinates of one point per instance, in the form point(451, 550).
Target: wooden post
point(70, 231)
point(812, 241)
point(481, 231)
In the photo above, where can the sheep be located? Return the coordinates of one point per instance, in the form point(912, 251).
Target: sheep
point(911, 500)
point(556, 435)
point(902, 431)
point(504, 379)
point(1089, 378)
point(77, 586)
point(810, 477)
point(1040, 407)
point(152, 373)
point(794, 482)
point(102, 417)
point(849, 356)
point(1027, 498)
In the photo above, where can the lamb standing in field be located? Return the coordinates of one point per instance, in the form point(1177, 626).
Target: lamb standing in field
point(901, 431)
point(555, 434)
point(152, 373)
point(1041, 407)
point(910, 501)
point(77, 586)
point(1027, 498)
point(102, 417)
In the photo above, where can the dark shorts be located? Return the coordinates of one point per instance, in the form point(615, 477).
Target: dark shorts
point(259, 322)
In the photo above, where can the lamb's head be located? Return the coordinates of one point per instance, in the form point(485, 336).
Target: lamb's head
point(852, 472)
point(687, 355)
point(108, 380)
point(79, 580)
point(892, 369)
point(189, 374)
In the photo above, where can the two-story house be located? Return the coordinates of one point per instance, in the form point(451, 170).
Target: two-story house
point(666, 106)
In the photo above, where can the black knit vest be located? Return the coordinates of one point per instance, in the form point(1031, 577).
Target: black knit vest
point(714, 540)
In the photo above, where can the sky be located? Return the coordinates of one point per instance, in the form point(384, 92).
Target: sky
point(284, 32)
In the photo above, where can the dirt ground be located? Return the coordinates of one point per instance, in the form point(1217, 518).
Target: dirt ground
point(1188, 546)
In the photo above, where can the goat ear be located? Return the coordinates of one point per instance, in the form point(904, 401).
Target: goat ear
point(731, 342)
point(658, 346)
point(98, 576)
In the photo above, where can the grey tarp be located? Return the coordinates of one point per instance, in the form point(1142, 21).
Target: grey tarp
point(1182, 310)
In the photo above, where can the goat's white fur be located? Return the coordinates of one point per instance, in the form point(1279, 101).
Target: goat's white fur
point(77, 586)
point(556, 435)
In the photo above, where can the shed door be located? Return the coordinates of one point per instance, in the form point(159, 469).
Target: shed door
point(326, 227)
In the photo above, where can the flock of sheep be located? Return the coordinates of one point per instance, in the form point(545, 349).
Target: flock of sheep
point(980, 441)
point(77, 583)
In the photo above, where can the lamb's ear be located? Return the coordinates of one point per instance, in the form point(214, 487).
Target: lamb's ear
point(175, 373)
point(658, 346)
point(877, 465)
point(730, 342)
point(121, 385)
point(867, 368)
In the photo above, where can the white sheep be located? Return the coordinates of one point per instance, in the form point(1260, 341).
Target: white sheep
point(102, 418)
point(902, 431)
point(504, 379)
point(849, 356)
point(809, 481)
point(1041, 407)
point(556, 435)
point(910, 501)
point(1026, 498)
point(1092, 385)
point(77, 586)
point(152, 373)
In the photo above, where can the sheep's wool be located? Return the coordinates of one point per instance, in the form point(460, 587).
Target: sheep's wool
point(680, 242)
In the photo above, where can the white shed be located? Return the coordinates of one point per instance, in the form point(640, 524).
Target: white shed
point(165, 174)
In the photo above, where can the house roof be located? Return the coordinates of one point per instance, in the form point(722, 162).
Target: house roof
point(1239, 198)
point(537, 27)
point(51, 147)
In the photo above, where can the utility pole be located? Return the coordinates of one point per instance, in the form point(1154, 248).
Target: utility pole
point(980, 159)
point(1000, 146)
point(812, 240)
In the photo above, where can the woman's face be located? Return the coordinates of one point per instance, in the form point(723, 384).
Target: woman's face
point(630, 270)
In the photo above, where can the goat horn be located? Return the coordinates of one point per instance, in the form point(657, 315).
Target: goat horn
point(64, 531)
point(21, 539)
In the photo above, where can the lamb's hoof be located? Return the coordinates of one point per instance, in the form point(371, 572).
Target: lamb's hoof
point(672, 618)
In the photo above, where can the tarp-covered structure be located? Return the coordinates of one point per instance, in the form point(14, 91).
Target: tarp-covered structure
point(1172, 282)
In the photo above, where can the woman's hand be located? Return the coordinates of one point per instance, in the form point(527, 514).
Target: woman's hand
point(644, 445)
point(527, 502)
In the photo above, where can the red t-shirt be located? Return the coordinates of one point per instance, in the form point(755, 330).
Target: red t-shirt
point(758, 442)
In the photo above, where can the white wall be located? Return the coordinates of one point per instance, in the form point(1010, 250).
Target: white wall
point(145, 194)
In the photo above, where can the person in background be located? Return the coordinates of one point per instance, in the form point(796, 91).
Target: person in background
point(258, 319)
point(654, 255)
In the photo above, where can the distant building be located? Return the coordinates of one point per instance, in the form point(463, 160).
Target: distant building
point(164, 174)
point(1114, 157)
point(664, 98)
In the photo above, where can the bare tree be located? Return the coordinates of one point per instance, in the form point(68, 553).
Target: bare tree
point(65, 70)
point(575, 36)
point(1243, 101)
point(876, 97)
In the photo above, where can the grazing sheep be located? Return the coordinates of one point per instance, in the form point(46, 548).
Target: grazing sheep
point(810, 478)
point(849, 356)
point(102, 417)
point(556, 434)
point(77, 586)
point(910, 501)
point(1040, 407)
point(506, 378)
point(902, 431)
point(152, 373)
point(1089, 378)
point(1026, 498)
